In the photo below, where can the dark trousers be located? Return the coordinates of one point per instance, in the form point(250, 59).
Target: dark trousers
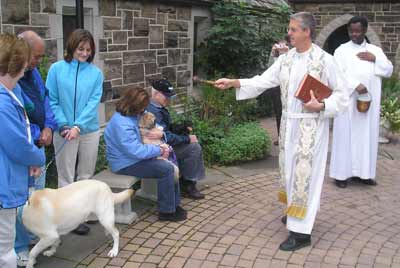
point(275, 95)
point(168, 192)
point(190, 161)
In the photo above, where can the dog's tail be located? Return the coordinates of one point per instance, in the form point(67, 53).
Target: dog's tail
point(122, 196)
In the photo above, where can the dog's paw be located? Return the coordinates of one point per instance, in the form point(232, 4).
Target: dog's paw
point(31, 263)
point(112, 253)
point(49, 252)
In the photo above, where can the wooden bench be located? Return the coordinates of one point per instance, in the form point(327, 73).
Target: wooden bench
point(118, 183)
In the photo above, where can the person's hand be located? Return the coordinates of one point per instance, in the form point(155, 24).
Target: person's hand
point(279, 49)
point(154, 134)
point(367, 56)
point(64, 131)
point(46, 136)
point(361, 89)
point(193, 139)
point(72, 134)
point(164, 150)
point(35, 171)
point(225, 83)
point(314, 105)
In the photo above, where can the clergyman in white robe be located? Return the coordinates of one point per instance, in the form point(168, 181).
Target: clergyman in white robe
point(296, 66)
point(355, 134)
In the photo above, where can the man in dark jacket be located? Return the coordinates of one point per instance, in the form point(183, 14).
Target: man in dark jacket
point(186, 147)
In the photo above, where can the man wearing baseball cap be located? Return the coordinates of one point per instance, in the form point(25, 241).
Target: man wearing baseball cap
point(186, 147)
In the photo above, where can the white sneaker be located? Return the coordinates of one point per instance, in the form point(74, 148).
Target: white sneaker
point(22, 258)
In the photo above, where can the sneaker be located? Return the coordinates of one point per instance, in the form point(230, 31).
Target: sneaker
point(22, 258)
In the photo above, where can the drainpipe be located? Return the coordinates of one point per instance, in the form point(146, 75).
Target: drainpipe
point(79, 14)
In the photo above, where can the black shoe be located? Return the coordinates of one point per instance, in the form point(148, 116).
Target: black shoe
point(276, 143)
point(341, 184)
point(180, 211)
point(284, 219)
point(295, 241)
point(82, 229)
point(174, 216)
point(189, 190)
point(369, 182)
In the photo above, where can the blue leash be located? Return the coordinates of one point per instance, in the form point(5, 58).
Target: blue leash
point(54, 157)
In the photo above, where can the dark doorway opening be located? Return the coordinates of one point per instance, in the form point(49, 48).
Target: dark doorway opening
point(338, 37)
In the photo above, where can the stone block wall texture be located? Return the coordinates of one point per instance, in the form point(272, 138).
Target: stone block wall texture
point(383, 18)
point(20, 15)
point(144, 41)
point(141, 40)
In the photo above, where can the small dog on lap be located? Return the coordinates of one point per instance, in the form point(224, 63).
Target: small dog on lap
point(147, 124)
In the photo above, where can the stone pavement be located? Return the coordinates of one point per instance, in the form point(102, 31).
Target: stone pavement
point(238, 225)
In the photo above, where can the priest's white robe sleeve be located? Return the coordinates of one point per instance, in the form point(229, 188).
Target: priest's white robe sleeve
point(253, 87)
point(383, 66)
point(339, 100)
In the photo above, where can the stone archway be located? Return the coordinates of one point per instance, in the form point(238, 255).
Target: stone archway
point(338, 22)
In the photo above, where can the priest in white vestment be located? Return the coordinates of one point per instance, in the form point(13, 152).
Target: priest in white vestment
point(304, 135)
point(355, 134)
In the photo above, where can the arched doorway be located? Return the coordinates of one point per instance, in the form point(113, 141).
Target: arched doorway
point(336, 38)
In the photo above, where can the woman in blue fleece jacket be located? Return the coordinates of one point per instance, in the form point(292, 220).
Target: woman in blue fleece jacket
point(127, 155)
point(19, 157)
point(75, 88)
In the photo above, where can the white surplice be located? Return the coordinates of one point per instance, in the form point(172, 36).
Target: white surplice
point(272, 77)
point(355, 134)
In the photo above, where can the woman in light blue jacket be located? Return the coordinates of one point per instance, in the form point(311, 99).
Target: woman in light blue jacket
point(75, 88)
point(19, 157)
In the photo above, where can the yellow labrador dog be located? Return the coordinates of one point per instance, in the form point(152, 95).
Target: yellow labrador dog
point(147, 124)
point(54, 212)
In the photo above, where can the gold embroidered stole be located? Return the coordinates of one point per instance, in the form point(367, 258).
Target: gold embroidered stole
point(304, 151)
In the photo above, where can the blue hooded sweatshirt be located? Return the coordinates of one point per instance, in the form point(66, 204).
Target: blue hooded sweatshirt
point(17, 154)
point(75, 90)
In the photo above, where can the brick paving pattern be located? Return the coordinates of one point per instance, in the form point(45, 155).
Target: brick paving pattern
point(238, 225)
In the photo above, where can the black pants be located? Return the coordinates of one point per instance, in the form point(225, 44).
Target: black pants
point(275, 95)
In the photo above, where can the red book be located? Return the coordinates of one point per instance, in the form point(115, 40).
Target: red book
point(321, 91)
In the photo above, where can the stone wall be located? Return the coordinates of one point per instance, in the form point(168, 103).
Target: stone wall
point(20, 15)
point(139, 40)
point(144, 41)
point(384, 21)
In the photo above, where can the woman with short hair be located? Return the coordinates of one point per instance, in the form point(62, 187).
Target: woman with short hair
point(127, 155)
point(19, 157)
point(75, 88)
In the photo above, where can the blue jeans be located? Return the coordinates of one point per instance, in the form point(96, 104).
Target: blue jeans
point(168, 193)
point(23, 236)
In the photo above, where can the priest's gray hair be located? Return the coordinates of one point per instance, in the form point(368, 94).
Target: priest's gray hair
point(306, 20)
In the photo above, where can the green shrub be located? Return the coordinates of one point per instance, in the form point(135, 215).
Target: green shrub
point(240, 40)
point(242, 143)
point(390, 112)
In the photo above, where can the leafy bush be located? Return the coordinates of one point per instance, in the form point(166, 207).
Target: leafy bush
point(390, 112)
point(390, 105)
point(239, 42)
point(215, 121)
point(242, 143)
